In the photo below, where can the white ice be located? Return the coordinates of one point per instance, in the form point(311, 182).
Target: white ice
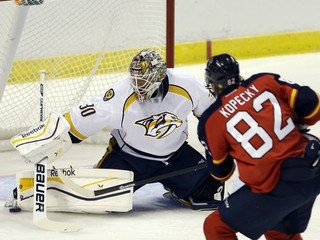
point(153, 217)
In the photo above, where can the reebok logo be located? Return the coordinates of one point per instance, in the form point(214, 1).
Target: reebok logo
point(32, 131)
point(69, 172)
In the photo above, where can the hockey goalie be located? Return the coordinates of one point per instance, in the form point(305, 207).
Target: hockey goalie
point(67, 189)
point(147, 112)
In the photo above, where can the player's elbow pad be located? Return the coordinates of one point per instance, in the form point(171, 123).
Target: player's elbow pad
point(224, 170)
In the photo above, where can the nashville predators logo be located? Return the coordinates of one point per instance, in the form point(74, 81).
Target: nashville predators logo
point(108, 95)
point(144, 66)
point(160, 125)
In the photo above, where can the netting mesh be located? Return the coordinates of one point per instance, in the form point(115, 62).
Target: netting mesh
point(83, 45)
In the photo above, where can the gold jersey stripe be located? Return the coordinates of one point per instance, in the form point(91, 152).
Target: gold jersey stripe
point(73, 129)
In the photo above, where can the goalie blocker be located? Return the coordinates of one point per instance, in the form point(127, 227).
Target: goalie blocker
point(61, 197)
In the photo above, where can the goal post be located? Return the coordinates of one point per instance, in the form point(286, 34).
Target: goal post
point(9, 38)
point(84, 46)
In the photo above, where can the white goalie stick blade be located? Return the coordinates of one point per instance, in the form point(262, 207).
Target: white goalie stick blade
point(40, 218)
point(93, 193)
point(49, 225)
point(75, 187)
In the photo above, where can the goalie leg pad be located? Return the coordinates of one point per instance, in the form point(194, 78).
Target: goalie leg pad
point(61, 198)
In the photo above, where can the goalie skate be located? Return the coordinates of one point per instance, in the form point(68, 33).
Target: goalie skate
point(190, 203)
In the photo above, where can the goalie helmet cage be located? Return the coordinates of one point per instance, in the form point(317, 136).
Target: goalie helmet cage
point(84, 46)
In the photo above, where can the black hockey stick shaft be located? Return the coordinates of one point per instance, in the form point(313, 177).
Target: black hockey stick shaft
point(150, 180)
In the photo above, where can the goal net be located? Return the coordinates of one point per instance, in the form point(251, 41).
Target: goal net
point(83, 45)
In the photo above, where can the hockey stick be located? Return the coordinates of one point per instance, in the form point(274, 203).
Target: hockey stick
point(40, 218)
point(93, 193)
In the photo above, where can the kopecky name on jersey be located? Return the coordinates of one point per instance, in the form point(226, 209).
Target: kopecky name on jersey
point(32, 131)
point(229, 108)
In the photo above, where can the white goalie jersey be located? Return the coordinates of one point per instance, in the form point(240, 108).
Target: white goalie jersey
point(154, 129)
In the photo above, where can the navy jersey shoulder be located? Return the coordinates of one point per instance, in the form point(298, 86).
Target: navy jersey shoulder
point(275, 76)
point(205, 115)
point(258, 76)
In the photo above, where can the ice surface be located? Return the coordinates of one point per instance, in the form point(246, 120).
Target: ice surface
point(153, 217)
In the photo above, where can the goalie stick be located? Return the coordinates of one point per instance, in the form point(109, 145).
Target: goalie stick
point(40, 218)
point(93, 193)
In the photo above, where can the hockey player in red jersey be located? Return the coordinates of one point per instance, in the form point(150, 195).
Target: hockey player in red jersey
point(254, 124)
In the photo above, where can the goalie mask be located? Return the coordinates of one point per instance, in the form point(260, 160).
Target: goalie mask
point(222, 74)
point(147, 70)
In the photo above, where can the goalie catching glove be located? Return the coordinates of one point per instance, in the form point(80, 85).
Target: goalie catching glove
point(48, 138)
